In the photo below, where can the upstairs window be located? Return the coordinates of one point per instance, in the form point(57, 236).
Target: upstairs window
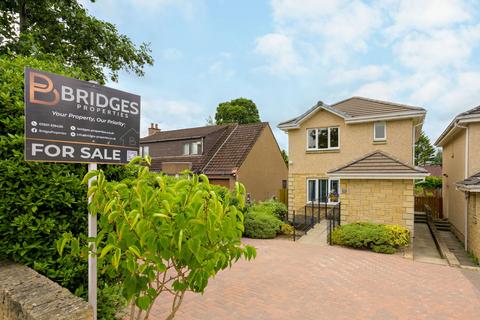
point(323, 138)
point(380, 131)
point(193, 148)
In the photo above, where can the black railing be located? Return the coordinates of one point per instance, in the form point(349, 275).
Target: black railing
point(334, 220)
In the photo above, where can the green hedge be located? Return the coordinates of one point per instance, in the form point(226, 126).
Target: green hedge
point(273, 207)
point(376, 237)
point(261, 225)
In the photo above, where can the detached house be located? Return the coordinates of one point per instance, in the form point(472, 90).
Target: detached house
point(229, 153)
point(358, 151)
point(461, 177)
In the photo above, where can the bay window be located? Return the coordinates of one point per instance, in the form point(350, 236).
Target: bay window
point(323, 138)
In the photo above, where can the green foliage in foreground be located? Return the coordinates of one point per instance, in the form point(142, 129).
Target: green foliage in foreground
point(162, 235)
point(376, 237)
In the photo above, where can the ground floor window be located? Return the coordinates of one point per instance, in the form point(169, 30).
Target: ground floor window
point(322, 190)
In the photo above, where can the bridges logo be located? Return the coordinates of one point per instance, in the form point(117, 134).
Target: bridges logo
point(46, 90)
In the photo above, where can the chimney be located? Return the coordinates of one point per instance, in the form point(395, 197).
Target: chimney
point(153, 129)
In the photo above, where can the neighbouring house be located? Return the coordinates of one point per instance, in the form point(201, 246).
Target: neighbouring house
point(461, 161)
point(471, 187)
point(435, 170)
point(361, 149)
point(227, 153)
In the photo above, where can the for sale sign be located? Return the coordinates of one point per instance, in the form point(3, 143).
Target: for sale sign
point(69, 120)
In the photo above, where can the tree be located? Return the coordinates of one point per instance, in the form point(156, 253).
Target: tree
point(241, 111)
point(64, 29)
point(285, 156)
point(163, 234)
point(437, 159)
point(424, 151)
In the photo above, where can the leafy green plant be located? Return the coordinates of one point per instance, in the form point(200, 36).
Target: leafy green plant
point(287, 229)
point(162, 235)
point(261, 225)
point(273, 207)
point(376, 237)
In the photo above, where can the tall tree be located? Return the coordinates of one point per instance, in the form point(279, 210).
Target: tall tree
point(64, 29)
point(437, 159)
point(285, 156)
point(424, 151)
point(239, 110)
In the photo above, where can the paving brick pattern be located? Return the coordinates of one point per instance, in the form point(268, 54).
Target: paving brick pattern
point(299, 281)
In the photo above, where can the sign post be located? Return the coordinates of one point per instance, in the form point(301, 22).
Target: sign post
point(69, 120)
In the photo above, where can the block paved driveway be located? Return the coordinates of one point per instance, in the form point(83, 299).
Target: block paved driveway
point(299, 281)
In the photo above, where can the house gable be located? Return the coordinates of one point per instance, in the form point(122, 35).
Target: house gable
point(263, 171)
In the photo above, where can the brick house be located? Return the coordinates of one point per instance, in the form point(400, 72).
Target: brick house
point(361, 150)
point(460, 142)
point(228, 153)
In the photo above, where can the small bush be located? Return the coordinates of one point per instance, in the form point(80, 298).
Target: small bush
point(273, 207)
point(261, 225)
point(376, 237)
point(286, 229)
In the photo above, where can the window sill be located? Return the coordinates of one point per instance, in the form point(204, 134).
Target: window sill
point(379, 141)
point(322, 150)
point(323, 203)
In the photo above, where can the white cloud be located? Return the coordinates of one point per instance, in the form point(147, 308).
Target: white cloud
point(439, 49)
point(170, 114)
point(363, 73)
point(282, 57)
point(425, 15)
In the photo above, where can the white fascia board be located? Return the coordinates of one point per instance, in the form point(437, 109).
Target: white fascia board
point(383, 117)
point(377, 176)
point(451, 127)
point(465, 188)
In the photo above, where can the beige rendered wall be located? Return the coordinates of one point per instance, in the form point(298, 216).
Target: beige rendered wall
point(356, 140)
point(474, 224)
point(263, 170)
point(379, 201)
point(454, 202)
point(474, 148)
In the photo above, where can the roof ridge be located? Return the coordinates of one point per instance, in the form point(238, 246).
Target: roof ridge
point(380, 101)
point(219, 148)
point(250, 145)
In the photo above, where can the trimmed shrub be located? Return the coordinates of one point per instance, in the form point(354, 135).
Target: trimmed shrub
point(261, 225)
point(376, 237)
point(273, 207)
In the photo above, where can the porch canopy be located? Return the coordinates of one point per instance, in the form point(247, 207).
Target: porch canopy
point(471, 184)
point(377, 165)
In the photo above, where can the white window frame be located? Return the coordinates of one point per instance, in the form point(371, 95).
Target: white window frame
point(145, 151)
point(317, 185)
point(375, 131)
point(187, 148)
point(328, 137)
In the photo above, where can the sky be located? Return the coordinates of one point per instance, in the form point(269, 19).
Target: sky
point(286, 55)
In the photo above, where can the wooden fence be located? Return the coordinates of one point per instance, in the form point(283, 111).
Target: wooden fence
point(435, 203)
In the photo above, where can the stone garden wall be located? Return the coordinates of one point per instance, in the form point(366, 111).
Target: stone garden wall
point(27, 295)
